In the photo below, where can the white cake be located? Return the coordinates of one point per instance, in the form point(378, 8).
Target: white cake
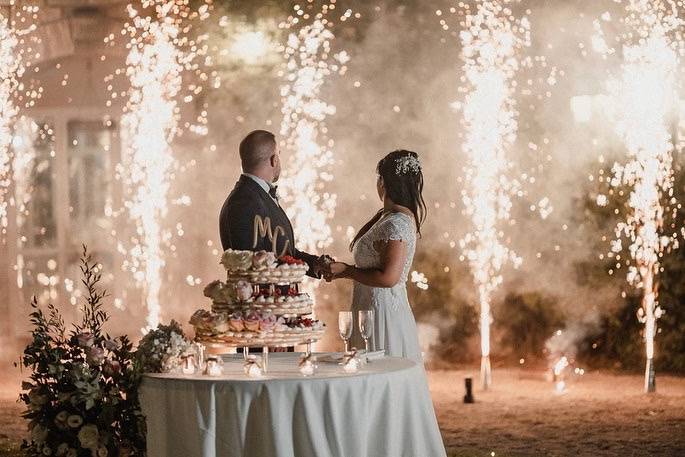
point(259, 304)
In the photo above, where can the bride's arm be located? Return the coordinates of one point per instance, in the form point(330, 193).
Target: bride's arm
point(392, 253)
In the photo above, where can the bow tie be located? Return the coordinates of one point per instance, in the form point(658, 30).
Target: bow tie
point(272, 192)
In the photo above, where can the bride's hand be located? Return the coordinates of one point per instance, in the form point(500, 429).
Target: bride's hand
point(338, 270)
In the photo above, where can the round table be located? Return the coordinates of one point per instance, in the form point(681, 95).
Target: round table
point(383, 410)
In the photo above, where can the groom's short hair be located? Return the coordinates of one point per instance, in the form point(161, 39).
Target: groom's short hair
point(257, 147)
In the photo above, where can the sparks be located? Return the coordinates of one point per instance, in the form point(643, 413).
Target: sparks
point(308, 63)
point(10, 70)
point(155, 63)
point(558, 371)
point(491, 42)
point(644, 92)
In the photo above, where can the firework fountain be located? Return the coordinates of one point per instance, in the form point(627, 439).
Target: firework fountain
point(11, 69)
point(23, 146)
point(17, 132)
point(491, 43)
point(155, 63)
point(643, 94)
point(308, 63)
point(15, 50)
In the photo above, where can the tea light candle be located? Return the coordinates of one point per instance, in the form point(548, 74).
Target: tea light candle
point(351, 366)
point(307, 365)
point(189, 364)
point(252, 367)
point(307, 369)
point(213, 367)
point(351, 362)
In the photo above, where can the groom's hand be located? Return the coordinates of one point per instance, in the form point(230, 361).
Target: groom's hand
point(322, 267)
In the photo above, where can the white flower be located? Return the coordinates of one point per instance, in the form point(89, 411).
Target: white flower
point(71, 453)
point(62, 416)
point(102, 452)
point(39, 434)
point(236, 260)
point(263, 259)
point(95, 355)
point(74, 421)
point(62, 449)
point(243, 290)
point(88, 436)
point(85, 339)
point(47, 451)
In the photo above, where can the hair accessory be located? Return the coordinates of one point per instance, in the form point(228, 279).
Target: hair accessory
point(407, 164)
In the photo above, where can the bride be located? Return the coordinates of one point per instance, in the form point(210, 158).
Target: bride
point(383, 251)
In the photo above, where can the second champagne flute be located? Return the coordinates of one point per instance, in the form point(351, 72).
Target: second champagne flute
point(366, 326)
point(345, 327)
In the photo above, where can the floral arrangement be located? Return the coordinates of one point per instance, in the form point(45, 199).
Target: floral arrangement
point(160, 350)
point(82, 394)
point(237, 261)
point(221, 292)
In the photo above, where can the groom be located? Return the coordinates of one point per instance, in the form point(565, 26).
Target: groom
point(252, 218)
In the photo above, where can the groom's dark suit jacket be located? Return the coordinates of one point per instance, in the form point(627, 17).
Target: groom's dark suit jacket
point(237, 225)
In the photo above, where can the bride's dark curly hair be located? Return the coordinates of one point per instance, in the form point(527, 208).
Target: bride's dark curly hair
point(403, 184)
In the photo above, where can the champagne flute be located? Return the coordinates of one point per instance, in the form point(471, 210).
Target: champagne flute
point(345, 327)
point(366, 326)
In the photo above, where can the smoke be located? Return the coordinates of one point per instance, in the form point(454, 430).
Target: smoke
point(401, 79)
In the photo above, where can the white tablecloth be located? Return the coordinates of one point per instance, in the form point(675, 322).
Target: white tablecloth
point(383, 410)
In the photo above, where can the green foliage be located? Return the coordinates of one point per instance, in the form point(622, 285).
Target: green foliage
point(444, 301)
point(161, 349)
point(619, 341)
point(525, 322)
point(81, 397)
point(670, 339)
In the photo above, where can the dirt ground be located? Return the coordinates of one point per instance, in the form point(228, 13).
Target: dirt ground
point(598, 415)
point(521, 415)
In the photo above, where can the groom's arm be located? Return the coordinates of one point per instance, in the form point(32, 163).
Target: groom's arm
point(314, 262)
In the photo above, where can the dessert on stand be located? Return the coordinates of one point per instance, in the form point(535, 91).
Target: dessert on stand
point(258, 305)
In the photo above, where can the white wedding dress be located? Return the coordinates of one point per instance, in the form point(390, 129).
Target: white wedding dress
point(394, 326)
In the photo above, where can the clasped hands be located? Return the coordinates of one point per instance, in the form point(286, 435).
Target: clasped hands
point(327, 268)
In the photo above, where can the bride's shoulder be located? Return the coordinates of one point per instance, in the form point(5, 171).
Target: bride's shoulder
point(402, 219)
point(397, 226)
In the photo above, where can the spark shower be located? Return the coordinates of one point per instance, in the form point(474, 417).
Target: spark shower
point(644, 91)
point(493, 39)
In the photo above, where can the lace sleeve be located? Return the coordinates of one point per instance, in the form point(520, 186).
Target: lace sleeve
point(396, 227)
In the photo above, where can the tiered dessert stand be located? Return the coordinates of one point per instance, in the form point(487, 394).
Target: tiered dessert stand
point(275, 293)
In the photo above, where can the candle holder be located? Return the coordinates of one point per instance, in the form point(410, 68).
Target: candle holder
point(214, 367)
point(351, 362)
point(252, 367)
point(188, 364)
point(307, 365)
